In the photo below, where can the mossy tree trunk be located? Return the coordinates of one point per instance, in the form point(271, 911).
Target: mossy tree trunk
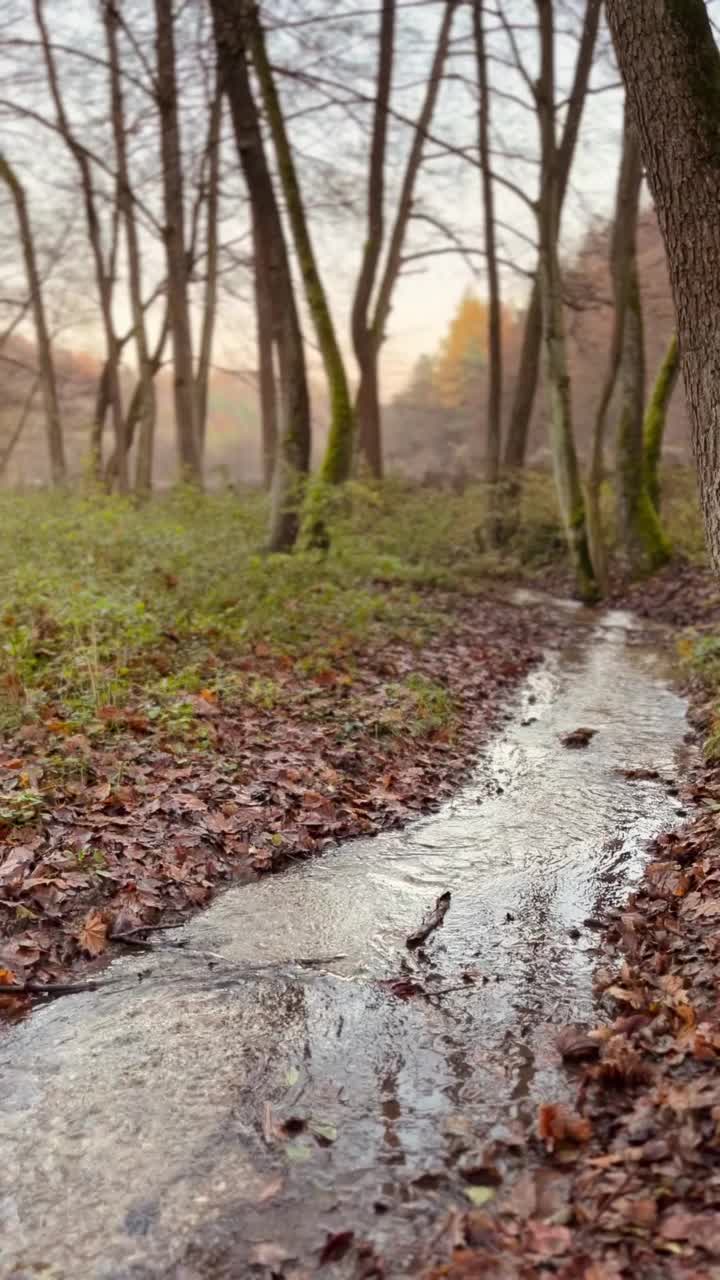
point(656, 417)
point(562, 442)
point(671, 67)
point(292, 456)
point(368, 397)
point(338, 455)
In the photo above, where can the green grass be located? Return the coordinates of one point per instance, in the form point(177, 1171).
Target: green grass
point(103, 604)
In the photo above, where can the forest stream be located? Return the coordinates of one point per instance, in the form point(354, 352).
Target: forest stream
point(221, 1109)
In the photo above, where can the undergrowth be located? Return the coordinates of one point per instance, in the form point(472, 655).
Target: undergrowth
point(105, 604)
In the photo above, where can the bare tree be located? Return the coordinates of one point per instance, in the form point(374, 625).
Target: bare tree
point(175, 246)
point(48, 384)
point(567, 474)
point(368, 396)
point(293, 449)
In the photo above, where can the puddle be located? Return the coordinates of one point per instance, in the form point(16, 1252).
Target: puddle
point(135, 1121)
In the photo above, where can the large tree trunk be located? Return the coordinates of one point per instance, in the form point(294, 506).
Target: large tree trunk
point(368, 397)
point(177, 264)
point(338, 455)
point(567, 474)
point(293, 451)
point(656, 417)
point(527, 376)
point(671, 68)
point(493, 426)
point(143, 469)
point(53, 424)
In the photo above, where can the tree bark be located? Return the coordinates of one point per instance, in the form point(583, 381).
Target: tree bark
point(46, 364)
point(656, 417)
point(368, 397)
point(671, 68)
point(527, 377)
point(338, 455)
point(177, 265)
point(493, 428)
point(567, 474)
point(293, 451)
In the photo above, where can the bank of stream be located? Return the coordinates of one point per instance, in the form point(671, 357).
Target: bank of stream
point(222, 1109)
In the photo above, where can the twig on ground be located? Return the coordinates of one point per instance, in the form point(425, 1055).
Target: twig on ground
point(431, 922)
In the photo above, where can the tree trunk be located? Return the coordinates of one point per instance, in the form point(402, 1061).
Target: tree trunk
point(643, 545)
point(212, 250)
point(368, 397)
point(526, 382)
point(293, 452)
point(53, 424)
point(103, 276)
point(143, 470)
point(136, 414)
point(177, 264)
point(393, 259)
point(671, 67)
point(567, 475)
point(656, 417)
point(338, 455)
point(493, 428)
point(266, 342)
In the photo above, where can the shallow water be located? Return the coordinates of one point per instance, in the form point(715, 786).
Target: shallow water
point(136, 1121)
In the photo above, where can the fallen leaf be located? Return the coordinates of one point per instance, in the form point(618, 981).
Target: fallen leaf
point(93, 933)
point(336, 1246)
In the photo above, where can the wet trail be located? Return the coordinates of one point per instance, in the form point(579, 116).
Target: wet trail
point(137, 1122)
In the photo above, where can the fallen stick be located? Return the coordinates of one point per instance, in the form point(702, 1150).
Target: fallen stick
point(48, 988)
point(432, 921)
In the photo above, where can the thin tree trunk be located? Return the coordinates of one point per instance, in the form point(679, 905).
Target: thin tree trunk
point(103, 276)
point(135, 413)
point(393, 258)
point(621, 255)
point(338, 455)
point(53, 423)
point(212, 250)
point(293, 451)
point(493, 428)
point(567, 474)
point(9, 448)
point(177, 264)
point(671, 67)
point(368, 396)
point(527, 376)
point(656, 417)
point(266, 364)
point(143, 468)
point(643, 545)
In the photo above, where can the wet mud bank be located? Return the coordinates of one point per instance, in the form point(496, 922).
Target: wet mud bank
point(224, 1109)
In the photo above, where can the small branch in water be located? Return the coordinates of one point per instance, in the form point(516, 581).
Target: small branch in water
point(431, 922)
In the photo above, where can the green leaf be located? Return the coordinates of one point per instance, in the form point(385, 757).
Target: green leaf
point(325, 1133)
point(479, 1195)
point(292, 1075)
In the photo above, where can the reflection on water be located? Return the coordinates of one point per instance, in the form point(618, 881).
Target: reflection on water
point(146, 1105)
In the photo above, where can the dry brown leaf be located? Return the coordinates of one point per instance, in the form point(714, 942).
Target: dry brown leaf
point(93, 933)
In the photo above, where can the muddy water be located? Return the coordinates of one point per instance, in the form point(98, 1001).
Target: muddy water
point(136, 1122)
